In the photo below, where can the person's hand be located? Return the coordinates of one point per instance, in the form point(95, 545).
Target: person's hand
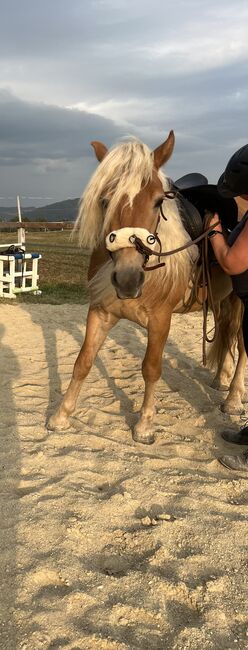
point(213, 221)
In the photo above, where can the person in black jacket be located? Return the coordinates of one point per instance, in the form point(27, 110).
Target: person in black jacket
point(233, 258)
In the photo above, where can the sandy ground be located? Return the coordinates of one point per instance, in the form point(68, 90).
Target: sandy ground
point(107, 544)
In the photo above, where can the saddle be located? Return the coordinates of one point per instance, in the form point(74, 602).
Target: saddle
point(196, 197)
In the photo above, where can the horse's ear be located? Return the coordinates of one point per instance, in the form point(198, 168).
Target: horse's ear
point(100, 149)
point(164, 151)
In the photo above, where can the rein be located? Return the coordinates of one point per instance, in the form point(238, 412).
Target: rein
point(203, 277)
point(147, 252)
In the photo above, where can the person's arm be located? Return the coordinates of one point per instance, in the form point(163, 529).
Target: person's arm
point(232, 259)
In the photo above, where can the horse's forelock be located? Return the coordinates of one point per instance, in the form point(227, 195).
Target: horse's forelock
point(121, 173)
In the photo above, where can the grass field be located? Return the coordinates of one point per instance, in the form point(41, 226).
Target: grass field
point(62, 269)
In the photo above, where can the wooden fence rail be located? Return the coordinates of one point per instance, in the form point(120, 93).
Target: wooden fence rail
point(36, 225)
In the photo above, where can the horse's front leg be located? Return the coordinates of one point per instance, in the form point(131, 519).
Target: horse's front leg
point(98, 325)
point(158, 330)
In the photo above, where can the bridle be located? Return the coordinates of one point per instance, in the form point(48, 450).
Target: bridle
point(144, 250)
point(134, 237)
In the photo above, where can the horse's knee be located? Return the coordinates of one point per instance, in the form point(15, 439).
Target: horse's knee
point(151, 372)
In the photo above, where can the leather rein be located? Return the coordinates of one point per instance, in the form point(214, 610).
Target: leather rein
point(147, 252)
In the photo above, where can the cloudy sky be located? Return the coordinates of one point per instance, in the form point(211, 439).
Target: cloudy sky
point(75, 71)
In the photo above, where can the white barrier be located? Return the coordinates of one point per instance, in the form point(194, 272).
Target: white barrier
point(18, 269)
point(18, 272)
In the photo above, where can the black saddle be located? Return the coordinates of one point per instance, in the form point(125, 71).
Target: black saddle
point(196, 197)
point(191, 180)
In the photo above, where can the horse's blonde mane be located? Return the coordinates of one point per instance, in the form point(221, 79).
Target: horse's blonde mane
point(121, 173)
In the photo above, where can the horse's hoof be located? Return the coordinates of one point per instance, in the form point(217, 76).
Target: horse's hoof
point(144, 439)
point(232, 409)
point(216, 384)
point(57, 424)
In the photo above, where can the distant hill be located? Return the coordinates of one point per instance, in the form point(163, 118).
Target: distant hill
point(10, 212)
point(61, 211)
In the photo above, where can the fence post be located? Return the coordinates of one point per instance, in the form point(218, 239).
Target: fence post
point(21, 236)
point(21, 231)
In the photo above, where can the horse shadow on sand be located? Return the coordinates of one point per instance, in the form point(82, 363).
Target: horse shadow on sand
point(188, 380)
point(9, 503)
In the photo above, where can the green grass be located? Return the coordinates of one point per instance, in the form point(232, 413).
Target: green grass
point(62, 269)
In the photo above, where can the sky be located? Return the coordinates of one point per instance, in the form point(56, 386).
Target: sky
point(72, 72)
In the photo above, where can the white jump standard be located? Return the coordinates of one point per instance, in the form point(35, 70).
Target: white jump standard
point(18, 272)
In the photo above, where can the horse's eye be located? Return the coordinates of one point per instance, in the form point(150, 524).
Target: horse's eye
point(159, 202)
point(104, 203)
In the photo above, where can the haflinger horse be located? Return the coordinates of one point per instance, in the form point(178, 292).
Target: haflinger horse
point(121, 206)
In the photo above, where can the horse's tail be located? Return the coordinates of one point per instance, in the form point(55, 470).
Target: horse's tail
point(229, 323)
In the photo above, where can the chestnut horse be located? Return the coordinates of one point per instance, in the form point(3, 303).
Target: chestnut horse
point(121, 203)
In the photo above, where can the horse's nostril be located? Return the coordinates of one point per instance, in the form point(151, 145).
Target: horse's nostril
point(128, 281)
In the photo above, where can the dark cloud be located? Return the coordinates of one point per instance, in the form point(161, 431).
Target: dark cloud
point(131, 67)
point(30, 131)
point(48, 147)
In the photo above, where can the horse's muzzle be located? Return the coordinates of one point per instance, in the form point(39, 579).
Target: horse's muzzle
point(128, 283)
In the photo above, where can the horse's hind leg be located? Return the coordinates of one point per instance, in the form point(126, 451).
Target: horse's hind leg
point(224, 371)
point(98, 325)
point(158, 330)
point(222, 353)
point(233, 403)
